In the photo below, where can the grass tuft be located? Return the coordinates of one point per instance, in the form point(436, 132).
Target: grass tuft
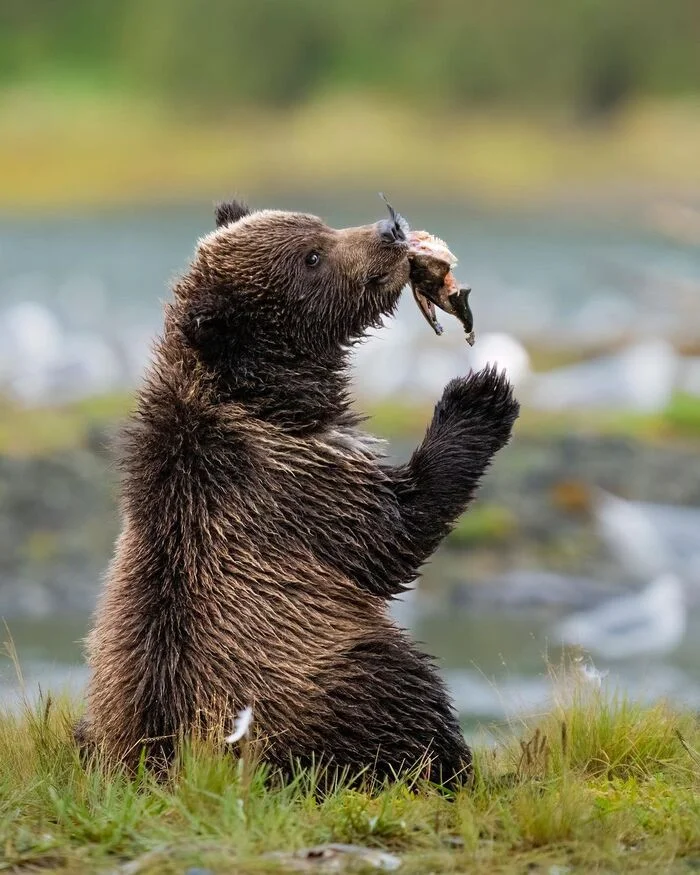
point(599, 783)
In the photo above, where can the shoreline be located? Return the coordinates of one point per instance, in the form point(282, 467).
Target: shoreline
point(535, 510)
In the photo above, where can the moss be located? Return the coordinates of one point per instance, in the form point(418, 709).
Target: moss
point(485, 523)
point(395, 419)
point(26, 431)
point(683, 415)
point(681, 419)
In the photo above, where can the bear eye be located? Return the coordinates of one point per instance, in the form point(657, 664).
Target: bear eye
point(312, 259)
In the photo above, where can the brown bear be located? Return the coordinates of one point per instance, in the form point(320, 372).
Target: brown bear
point(263, 535)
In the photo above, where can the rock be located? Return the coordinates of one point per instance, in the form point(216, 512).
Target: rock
point(31, 340)
point(505, 351)
point(336, 858)
point(518, 589)
point(689, 375)
point(651, 621)
point(58, 522)
point(40, 363)
point(158, 858)
point(640, 378)
point(649, 538)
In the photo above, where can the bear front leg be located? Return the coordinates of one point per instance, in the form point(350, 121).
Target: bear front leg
point(472, 421)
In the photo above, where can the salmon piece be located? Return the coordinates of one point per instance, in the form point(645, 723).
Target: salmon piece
point(434, 284)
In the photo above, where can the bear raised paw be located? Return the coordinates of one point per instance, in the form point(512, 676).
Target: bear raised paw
point(262, 537)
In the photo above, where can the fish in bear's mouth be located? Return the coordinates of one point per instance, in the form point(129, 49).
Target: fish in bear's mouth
point(431, 277)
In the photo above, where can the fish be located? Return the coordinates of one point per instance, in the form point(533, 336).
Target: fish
point(432, 281)
point(434, 284)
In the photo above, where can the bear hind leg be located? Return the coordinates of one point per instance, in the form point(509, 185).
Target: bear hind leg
point(390, 713)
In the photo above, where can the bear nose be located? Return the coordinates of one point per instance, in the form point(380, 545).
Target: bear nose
point(390, 231)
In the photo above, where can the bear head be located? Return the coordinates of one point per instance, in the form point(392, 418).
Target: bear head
point(282, 278)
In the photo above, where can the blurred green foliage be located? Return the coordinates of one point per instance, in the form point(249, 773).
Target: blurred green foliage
point(683, 414)
point(38, 430)
point(486, 523)
point(588, 56)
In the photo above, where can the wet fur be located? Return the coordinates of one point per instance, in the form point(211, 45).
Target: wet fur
point(262, 534)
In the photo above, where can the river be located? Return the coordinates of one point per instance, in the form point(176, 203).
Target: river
point(106, 275)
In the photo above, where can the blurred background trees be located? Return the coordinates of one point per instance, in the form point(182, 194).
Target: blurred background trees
point(585, 56)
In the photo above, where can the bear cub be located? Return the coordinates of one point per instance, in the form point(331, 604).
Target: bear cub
point(263, 535)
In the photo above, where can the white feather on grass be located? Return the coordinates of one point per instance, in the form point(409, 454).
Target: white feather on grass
point(589, 674)
point(241, 725)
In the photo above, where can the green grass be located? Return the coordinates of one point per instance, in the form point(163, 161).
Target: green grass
point(598, 784)
point(486, 523)
point(683, 414)
point(679, 420)
point(36, 430)
point(63, 149)
point(26, 431)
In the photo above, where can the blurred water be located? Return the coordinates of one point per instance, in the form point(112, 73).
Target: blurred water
point(104, 277)
point(496, 662)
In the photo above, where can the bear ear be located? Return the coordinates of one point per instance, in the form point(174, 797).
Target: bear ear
point(230, 211)
point(203, 324)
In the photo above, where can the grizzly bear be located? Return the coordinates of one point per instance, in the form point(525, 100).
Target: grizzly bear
point(263, 535)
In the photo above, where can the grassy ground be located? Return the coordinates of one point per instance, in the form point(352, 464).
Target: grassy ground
point(598, 785)
point(36, 430)
point(69, 149)
point(679, 420)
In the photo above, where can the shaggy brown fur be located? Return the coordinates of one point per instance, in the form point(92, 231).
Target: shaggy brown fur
point(262, 536)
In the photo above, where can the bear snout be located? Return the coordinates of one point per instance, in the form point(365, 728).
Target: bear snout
point(390, 231)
